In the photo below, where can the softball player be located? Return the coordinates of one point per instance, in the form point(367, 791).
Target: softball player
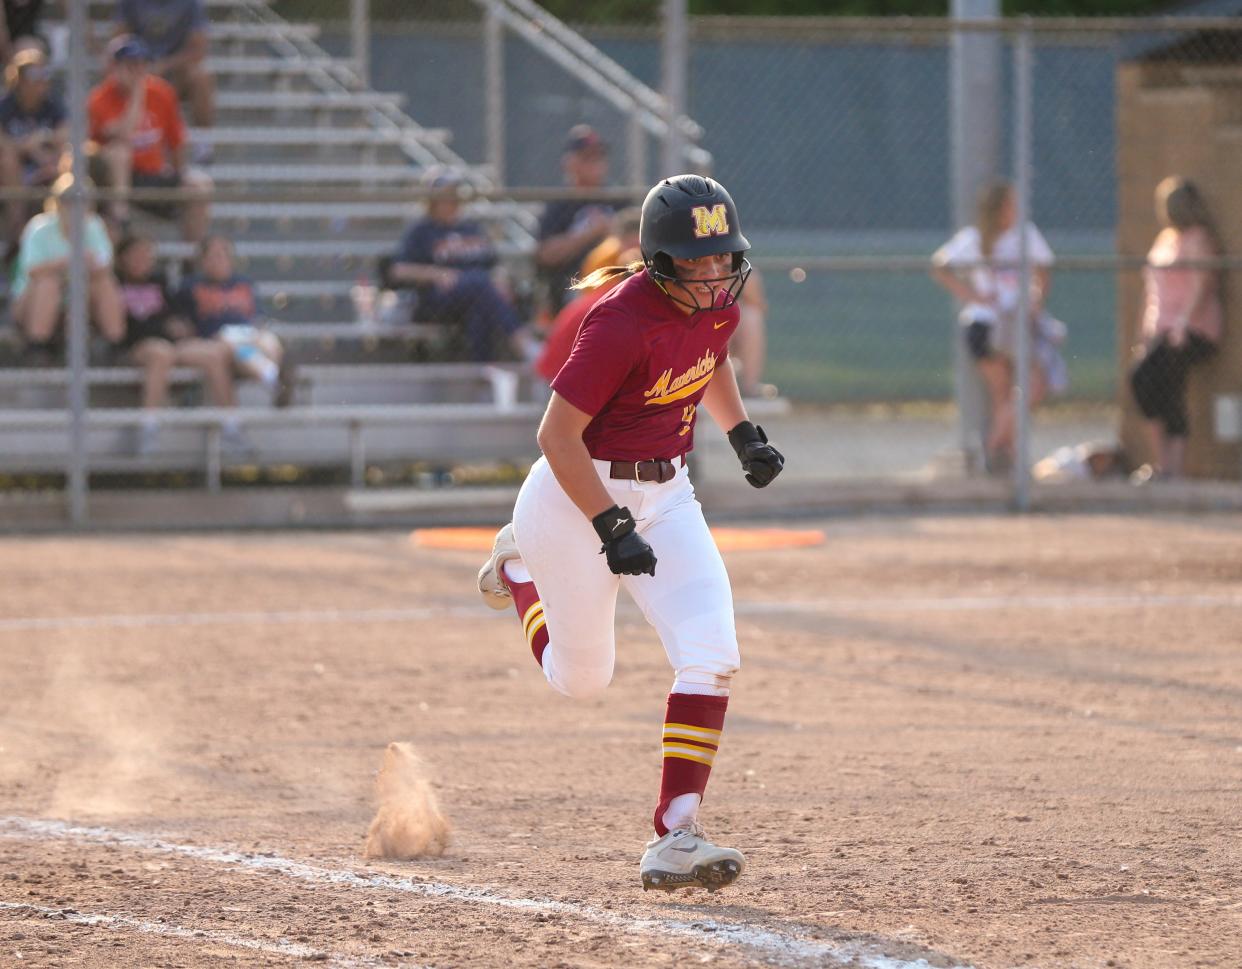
point(614, 439)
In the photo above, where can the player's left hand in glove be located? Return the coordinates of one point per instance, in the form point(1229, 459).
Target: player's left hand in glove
point(628, 552)
point(760, 460)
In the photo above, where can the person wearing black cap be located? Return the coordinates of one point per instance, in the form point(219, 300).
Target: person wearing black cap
point(449, 262)
point(571, 228)
point(140, 137)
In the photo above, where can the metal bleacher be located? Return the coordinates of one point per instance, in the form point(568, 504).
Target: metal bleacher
point(293, 121)
point(290, 117)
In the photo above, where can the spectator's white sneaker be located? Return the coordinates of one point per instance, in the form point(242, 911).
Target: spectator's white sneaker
point(234, 443)
point(684, 858)
point(148, 440)
point(496, 594)
point(202, 153)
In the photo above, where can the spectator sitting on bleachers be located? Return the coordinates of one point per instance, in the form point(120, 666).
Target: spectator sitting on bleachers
point(570, 228)
point(40, 281)
point(158, 340)
point(176, 33)
point(449, 261)
point(140, 138)
point(623, 236)
point(222, 306)
point(620, 248)
point(564, 330)
point(34, 132)
point(19, 27)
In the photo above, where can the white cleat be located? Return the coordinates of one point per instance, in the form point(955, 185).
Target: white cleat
point(496, 594)
point(684, 858)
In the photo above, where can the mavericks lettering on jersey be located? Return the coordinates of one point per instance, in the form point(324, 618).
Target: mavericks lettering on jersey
point(667, 389)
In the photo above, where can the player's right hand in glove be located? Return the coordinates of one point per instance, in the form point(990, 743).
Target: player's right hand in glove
point(760, 460)
point(628, 552)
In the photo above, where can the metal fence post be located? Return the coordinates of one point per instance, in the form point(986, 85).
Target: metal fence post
point(675, 51)
point(1022, 172)
point(74, 203)
point(360, 39)
point(974, 149)
point(494, 91)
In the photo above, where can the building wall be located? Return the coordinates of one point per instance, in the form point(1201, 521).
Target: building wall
point(1165, 127)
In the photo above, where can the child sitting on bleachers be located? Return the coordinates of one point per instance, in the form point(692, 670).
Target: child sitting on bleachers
point(156, 339)
point(223, 306)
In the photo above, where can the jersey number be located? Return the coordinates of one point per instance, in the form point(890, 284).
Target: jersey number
point(687, 420)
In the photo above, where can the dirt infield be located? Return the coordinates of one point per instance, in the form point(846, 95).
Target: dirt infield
point(975, 742)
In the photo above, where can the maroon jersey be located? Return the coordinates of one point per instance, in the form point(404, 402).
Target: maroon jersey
point(639, 367)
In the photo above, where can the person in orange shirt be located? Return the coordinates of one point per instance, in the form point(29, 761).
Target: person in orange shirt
point(140, 138)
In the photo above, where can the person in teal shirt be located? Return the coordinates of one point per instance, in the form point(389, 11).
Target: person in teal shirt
point(41, 276)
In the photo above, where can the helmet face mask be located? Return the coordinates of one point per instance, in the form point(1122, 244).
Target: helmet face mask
point(685, 292)
point(688, 217)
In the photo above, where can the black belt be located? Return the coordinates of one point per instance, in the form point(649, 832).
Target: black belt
point(658, 470)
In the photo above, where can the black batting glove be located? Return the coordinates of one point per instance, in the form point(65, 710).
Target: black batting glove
point(760, 460)
point(628, 552)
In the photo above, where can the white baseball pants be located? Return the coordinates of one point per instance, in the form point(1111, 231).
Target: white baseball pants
point(688, 600)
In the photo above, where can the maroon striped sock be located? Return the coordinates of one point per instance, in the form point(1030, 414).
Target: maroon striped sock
point(530, 611)
point(692, 728)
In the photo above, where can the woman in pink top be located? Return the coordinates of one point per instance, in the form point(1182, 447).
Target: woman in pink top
point(1182, 318)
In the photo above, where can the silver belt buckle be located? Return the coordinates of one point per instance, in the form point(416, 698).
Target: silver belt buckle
point(638, 475)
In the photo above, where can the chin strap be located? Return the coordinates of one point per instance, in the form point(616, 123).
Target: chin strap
point(733, 291)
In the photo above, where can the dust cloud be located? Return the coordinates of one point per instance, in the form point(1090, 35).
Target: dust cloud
point(409, 823)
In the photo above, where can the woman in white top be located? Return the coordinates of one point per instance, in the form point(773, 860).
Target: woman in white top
point(979, 266)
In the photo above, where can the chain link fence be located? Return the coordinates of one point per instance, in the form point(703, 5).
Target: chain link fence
point(841, 141)
point(836, 139)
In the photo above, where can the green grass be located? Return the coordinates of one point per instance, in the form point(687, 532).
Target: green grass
point(887, 336)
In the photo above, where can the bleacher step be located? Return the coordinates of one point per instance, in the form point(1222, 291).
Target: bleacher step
point(263, 66)
point(326, 248)
point(312, 174)
point(264, 135)
point(108, 7)
point(229, 30)
point(321, 436)
point(306, 100)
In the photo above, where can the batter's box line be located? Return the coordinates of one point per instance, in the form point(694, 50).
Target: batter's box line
point(778, 948)
point(170, 930)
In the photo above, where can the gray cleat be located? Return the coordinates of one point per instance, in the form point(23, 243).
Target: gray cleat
point(492, 587)
point(684, 858)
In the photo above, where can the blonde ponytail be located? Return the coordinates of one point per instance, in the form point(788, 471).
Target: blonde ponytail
point(607, 274)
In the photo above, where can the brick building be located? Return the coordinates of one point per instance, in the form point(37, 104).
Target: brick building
point(1179, 111)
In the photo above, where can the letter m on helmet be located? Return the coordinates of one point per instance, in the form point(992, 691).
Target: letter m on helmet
point(710, 222)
